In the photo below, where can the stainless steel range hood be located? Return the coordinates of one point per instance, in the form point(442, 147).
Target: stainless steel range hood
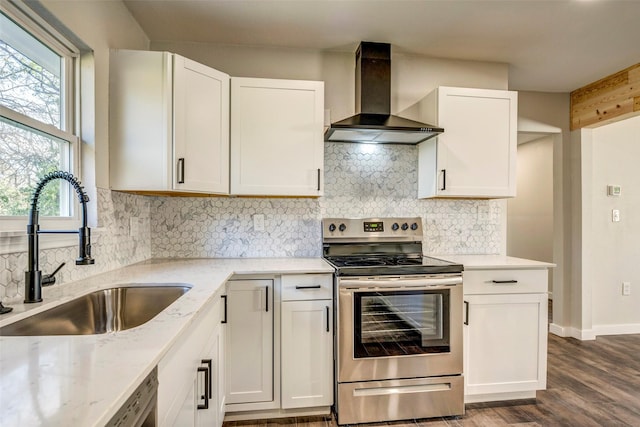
point(374, 122)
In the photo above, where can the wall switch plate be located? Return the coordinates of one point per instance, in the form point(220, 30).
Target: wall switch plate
point(614, 190)
point(258, 222)
point(615, 215)
point(626, 288)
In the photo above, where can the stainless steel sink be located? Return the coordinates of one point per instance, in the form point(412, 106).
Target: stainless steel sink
point(107, 310)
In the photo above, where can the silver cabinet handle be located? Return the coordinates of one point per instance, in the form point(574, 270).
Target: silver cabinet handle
point(318, 179)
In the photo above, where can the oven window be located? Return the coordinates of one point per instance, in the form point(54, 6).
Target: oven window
point(397, 323)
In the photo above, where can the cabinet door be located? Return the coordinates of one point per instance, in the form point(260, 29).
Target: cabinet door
point(140, 120)
point(219, 352)
point(476, 154)
point(277, 145)
point(249, 341)
point(307, 354)
point(201, 128)
point(206, 387)
point(186, 416)
point(505, 343)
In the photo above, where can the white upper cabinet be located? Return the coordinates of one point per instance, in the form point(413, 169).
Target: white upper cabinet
point(277, 146)
point(475, 157)
point(169, 124)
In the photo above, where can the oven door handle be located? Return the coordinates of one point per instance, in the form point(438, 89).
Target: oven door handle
point(434, 283)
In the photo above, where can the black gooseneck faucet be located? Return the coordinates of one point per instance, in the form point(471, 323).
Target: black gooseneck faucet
point(33, 276)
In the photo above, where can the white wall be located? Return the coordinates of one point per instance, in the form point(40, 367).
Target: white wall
point(530, 214)
point(553, 109)
point(611, 251)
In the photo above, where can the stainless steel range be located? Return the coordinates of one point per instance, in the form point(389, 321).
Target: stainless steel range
point(399, 317)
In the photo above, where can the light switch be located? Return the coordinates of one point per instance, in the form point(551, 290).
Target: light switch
point(615, 215)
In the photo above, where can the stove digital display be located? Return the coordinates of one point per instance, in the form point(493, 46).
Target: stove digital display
point(370, 226)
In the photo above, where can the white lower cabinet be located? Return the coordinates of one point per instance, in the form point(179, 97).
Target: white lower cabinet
point(307, 351)
point(249, 364)
point(279, 355)
point(191, 375)
point(505, 334)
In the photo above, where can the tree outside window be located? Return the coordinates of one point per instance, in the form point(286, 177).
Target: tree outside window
point(34, 134)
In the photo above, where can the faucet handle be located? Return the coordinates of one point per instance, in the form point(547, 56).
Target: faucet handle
point(48, 279)
point(84, 256)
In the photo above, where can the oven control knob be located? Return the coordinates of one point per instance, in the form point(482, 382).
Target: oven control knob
point(414, 226)
point(342, 227)
point(332, 227)
point(405, 226)
point(395, 226)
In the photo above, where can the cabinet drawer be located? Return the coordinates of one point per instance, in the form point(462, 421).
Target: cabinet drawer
point(505, 281)
point(296, 287)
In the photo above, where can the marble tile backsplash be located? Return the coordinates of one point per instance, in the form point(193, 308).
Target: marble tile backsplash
point(112, 246)
point(361, 180)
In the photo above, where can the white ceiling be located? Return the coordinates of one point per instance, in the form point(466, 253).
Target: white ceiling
point(550, 45)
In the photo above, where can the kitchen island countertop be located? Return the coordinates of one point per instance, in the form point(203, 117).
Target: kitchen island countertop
point(83, 380)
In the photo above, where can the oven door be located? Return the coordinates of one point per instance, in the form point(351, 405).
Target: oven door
point(399, 327)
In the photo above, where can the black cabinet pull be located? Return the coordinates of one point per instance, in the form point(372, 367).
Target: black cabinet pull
point(327, 307)
point(308, 287)
point(318, 179)
point(181, 170)
point(504, 281)
point(267, 299)
point(466, 312)
point(207, 384)
point(444, 180)
point(224, 297)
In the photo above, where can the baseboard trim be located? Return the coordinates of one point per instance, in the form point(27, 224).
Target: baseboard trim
point(569, 332)
point(623, 329)
point(277, 413)
point(499, 397)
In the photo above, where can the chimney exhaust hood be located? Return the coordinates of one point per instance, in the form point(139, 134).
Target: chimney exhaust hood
point(374, 122)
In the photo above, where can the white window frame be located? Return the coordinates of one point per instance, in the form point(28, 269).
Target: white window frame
point(13, 228)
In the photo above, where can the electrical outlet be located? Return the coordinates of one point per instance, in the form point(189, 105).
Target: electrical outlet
point(626, 288)
point(258, 222)
point(484, 212)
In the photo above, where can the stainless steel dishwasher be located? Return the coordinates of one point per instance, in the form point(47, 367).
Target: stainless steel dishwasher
point(140, 409)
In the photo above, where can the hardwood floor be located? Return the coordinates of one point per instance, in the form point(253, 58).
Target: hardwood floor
point(589, 383)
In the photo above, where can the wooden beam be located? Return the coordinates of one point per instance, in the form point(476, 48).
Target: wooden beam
point(607, 100)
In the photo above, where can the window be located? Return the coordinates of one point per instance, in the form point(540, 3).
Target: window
point(37, 69)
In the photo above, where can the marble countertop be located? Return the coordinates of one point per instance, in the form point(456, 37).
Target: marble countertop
point(486, 262)
point(83, 380)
